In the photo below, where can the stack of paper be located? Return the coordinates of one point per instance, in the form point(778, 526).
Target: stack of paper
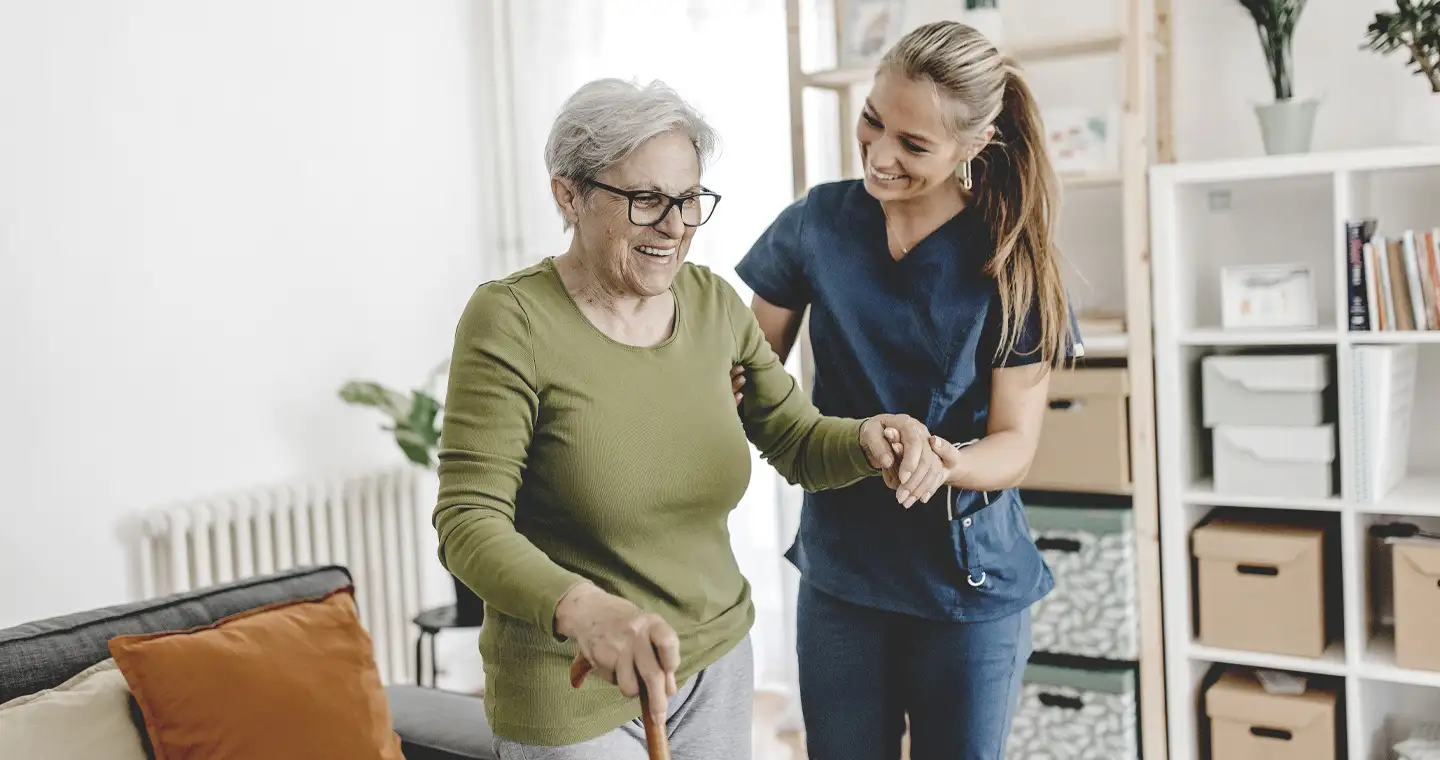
point(1423, 744)
point(1384, 380)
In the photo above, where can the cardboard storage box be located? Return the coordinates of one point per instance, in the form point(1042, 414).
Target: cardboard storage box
point(1264, 390)
point(1261, 587)
point(1085, 442)
point(1296, 462)
point(1092, 610)
point(1417, 603)
point(1249, 723)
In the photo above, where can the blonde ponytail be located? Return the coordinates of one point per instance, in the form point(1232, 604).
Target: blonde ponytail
point(1013, 182)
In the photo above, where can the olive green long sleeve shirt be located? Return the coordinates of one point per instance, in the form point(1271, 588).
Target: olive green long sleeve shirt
point(567, 456)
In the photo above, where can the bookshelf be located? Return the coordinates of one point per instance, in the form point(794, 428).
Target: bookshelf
point(1290, 209)
point(1123, 48)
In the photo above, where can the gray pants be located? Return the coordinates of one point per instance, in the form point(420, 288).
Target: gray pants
point(709, 719)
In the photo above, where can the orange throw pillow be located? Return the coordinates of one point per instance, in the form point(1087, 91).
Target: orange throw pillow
point(290, 680)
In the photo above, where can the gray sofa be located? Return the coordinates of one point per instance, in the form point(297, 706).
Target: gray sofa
point(433, 725)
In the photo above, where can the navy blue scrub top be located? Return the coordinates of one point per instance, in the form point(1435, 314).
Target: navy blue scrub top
point(916, 336)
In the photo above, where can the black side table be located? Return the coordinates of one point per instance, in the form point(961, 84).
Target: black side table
point(469, 612)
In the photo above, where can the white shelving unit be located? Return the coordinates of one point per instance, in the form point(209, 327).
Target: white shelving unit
point(1287, 209)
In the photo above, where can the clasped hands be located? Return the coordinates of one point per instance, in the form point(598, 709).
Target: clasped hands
point(913, 463)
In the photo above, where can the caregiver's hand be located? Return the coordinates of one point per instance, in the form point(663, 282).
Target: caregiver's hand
point(917, 471)
point(952, 462)
point(622, 644)
point(949, 456)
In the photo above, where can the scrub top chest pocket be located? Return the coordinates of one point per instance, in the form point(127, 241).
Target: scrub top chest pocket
point(996, 562)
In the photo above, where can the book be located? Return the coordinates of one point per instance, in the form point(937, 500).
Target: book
point(1426, 280)
point(1374, 305)
point(1432, 259)
point(1400, 285)
point(1387, 292)
point(1357, 294)
point(1412, 277)
point(1392, 279)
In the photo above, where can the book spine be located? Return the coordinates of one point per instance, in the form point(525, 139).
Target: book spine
point(1426, 281)
point(1403, 310)
point(1358, 296)
point(1387, 294)
point(1412, 276)
point(1372, 288)
point(1432, 256)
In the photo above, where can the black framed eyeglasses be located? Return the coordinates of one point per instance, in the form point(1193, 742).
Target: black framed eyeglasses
point(649, 207)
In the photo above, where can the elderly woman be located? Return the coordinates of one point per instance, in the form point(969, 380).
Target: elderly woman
point(592, 452)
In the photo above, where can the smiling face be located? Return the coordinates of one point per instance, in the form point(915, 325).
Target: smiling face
point(905, 148)
point(626, 258)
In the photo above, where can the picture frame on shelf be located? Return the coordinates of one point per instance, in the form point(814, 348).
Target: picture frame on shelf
point(867, 29)
point(1268, 296)
point(1083, 140)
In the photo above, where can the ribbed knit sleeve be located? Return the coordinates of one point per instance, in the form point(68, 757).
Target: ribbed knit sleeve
point(491, 405)
point(804, 446)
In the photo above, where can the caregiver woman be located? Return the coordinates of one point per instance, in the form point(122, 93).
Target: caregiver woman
point(934, 290)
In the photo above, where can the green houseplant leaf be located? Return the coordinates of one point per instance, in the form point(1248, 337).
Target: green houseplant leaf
point(1275, 22)
point(414, 417)
point(372, 394)
point(1413, 27)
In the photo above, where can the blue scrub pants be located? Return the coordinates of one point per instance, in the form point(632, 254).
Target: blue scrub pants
point(862, 670)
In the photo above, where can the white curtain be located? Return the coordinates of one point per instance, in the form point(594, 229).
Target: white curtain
point(728, 58)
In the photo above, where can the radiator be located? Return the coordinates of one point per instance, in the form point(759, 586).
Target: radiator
point(374, 523)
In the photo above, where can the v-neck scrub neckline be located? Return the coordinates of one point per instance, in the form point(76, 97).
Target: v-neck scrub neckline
point(948, 232)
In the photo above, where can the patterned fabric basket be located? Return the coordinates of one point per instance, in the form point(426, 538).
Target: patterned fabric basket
point(1092, 610)
point(1071, 714)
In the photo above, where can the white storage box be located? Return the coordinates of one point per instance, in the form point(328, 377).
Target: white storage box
point(1072, 713)
point(1261, 460)
point(1092, 610)
point(1264, 390)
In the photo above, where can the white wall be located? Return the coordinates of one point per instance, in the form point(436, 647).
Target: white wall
point(212, 214)
point(1219, 69)
point(1220, 75)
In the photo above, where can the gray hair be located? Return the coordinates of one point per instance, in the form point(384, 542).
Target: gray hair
point(606, 120)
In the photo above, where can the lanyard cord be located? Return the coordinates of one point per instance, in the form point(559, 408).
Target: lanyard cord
point(949, 492)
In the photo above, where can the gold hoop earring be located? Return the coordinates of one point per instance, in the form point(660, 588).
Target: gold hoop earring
point(964, 174)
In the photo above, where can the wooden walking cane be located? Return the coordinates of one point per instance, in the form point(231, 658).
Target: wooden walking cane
point(656, 742)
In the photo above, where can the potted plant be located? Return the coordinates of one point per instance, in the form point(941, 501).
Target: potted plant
point(1414, 27)
point(1286, 124)
point(413, 419)
point(984, 17)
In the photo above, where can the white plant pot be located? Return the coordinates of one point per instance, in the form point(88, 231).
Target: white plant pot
point(1418, 119)
point(987, 21)
point(1286, 126)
